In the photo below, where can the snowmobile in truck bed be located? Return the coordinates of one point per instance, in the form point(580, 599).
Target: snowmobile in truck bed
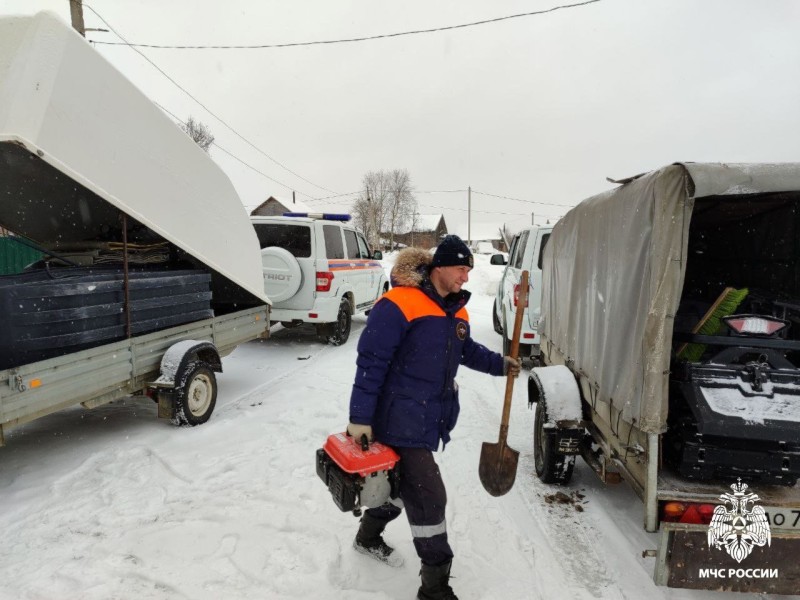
point(671, 338)
point(734, 403)
point(150, 269)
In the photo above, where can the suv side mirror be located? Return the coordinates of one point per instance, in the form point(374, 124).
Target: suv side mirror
point(377, 255)
point(497, 259)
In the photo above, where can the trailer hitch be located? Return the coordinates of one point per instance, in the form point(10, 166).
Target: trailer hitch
point(757, 374)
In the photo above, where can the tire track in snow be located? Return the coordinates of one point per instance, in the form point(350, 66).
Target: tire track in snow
point(508, 546)
point(257, 393)
point(567, 540)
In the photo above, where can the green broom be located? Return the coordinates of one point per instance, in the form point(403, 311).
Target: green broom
point(727, 303)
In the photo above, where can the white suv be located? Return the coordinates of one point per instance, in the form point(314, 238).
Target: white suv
point(318, 269)
point(525, 255)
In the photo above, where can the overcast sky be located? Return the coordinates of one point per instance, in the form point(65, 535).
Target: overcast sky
point(539, 108)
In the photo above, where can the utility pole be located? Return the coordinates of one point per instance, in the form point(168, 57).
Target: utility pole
point(76, 12)
point(469, 216)
point(532, 223)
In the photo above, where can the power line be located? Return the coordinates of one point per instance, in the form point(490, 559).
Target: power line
point(389, 191)
point(456, 191)
point(520, 200)
point(160, 70)
point(488, 212)
point(336, 196)
point(439, 191)
point(357, 39)
point(228, 152)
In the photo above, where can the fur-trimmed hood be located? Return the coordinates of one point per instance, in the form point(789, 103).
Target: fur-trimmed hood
point(411, 267)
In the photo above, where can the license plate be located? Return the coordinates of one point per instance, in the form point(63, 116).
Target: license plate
point(782, 517)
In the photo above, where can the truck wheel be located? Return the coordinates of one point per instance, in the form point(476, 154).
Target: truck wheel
point(496, 320)
point(195, 395)
point(336, 333)
point(551, 465)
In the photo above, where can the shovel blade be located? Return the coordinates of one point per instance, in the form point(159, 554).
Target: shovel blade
point(498, 468)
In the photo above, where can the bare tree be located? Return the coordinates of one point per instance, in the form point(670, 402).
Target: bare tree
point(385, 205)
point(362, 218)
point(199, 132)
point(402, 205)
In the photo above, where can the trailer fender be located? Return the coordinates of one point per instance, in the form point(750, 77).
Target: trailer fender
point(176, 359)
point(557, 387)
point(175, 363)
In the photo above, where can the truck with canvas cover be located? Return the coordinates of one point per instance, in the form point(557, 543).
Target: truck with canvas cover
point(148, 269)
point(670, 335)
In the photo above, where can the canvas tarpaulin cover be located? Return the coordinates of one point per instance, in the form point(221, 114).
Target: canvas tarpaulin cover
point(613, 275)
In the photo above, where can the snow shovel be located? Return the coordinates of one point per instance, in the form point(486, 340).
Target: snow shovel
point(498, 466)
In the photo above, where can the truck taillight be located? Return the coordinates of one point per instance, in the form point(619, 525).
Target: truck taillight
point(516, 296)
point(324, 281)
point(755, 324)
point(687, 512)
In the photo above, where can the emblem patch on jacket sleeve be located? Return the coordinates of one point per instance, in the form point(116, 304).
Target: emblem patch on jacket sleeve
point(461, 331)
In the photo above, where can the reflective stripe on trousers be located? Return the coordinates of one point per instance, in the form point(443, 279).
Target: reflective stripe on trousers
point(426, 531)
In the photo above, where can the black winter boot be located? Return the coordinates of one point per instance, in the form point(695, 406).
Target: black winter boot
point(369, 541)
point(435, 584)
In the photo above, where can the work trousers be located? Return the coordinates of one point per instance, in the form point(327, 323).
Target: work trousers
point(423, 496)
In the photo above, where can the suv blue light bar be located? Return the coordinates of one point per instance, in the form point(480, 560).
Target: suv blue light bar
point(326, 216)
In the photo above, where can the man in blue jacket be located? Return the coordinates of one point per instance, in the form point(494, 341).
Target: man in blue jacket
point(405, 395)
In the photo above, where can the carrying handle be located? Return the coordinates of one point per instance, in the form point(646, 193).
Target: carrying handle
point(364, 442)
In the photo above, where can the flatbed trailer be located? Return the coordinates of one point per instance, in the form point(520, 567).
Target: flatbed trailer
point(99, 375)
point(92, 171)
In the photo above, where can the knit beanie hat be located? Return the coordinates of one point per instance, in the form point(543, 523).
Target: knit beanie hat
point(452, 252)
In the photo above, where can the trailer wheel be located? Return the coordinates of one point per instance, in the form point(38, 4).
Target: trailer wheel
point(195, 395)
point(551, 465)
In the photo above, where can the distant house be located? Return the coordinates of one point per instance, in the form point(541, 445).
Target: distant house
point(275, 205)
point(426, 232)
point(483, 235)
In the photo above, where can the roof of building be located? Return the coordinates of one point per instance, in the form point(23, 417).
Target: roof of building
point(288, 204)
point(423, 223)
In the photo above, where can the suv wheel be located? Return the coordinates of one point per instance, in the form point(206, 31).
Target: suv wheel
point(336, 333)
point(506, 341)
point(498, 327)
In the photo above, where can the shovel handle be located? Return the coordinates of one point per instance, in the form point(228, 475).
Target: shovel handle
point(522, 302)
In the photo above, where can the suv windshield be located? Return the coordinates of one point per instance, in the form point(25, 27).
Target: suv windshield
point(294, 238)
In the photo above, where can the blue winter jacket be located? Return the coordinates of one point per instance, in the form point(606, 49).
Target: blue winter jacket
point(408, 357)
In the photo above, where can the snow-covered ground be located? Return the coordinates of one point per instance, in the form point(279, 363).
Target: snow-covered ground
point(113, 503)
